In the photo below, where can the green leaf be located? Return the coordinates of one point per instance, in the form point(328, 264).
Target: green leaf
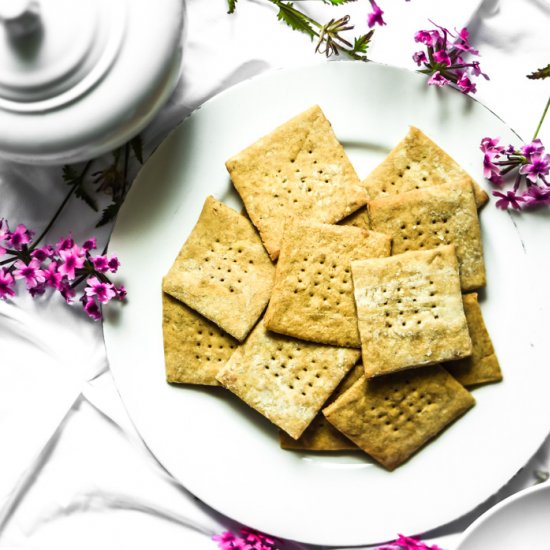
point(109, 213)
point(231, 5)
point(137, 147)
point(540, 74)
point(69, 174)
point(295, 19)
point(82, 194)
point(361, 45)
point(337, 2)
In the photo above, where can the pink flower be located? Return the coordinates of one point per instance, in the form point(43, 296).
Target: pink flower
point(114, 264)
point(19, 237)
point(73, 258)
point(490, 146)
point(6, 283)
point(67, 291)
point(43, 253)
point(90, 244)
point(490, 170)
point(4, 232)
point(52, 276)
point(466, 85)
point(121, 292)
point(441, 56)
point(419, 58)
point(30, 272)
point(65, 243)
point(538, 167)
point(534, 148)
point(103, 291)
point(228, 541)
point(100, 263)
point(508, 199)
point(536, 195)
point(437, 79)
point(375, 17)
point(91, 307)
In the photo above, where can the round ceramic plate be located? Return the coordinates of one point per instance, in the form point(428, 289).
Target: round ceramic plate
point(227, 454)
point(521, 521)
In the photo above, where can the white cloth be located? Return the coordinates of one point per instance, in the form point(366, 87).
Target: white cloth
point(73, 469)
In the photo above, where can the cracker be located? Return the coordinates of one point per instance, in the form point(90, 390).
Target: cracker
point(409, 310)
point(482, 366)
point(321, 435)
point(312, 297)
point(415, 163)
point(194, 348)
point(298, 170)
point(393, 416)
point(432, 217)
point(222, 271)
point(284, 379)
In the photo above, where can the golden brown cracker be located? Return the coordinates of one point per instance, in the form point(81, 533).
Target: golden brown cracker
point(286, 380)
point(415, 163)
point(222, 271)
point(393, 416)
point(321, 435)
point(410, 310)
point(298, 170)
point(482, 366)
point(432, 217)
point(312, 297)
point(194, 348)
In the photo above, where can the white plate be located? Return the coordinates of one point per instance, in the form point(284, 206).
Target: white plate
point(522, 521)
point(228, 455)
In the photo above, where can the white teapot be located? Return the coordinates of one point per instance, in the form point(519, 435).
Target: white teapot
point(80, 77)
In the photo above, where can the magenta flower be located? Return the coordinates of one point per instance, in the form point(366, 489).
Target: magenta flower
point(104, 292)
point(537, 167)
point(4, 231)
point(31, 272)
point(466, 85)
point(19, 237)
point(537, 196)
point(510, 198)
point(375, 17)
point(248, 540)
point(121, 292)
point(490, 146)
point(444, 59)
point(6, 284)
point(490, 170)
point(534, 148)
point(100, 263)
point(90, 244)
point(408, 543)
point(114, 264)
point(92, 308)
point(72, 259)
point(67, 291)
point(43, 253)
point(437, 79)
point(52, 277)
point(65, 243)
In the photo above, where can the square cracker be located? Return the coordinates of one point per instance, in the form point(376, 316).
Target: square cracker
point(222, 271)
point(194, 348)
point(482, 366)
point(409, 310)
point(312, 297)
point(393, 416)
point(286, 380)
point(321, 435)
point(432, 217)
point(415, 163)
point(298, 170)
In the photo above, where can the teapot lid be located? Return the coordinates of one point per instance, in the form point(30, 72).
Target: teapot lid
point(73, 73)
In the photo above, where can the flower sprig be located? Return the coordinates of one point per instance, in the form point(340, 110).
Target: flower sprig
point(531, 165)
point(444, 59)
point(247, 540)
point(408, 543)
point(329, 36)
point(63, 267)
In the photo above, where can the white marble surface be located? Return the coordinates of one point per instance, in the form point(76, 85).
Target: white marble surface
point(74, 471)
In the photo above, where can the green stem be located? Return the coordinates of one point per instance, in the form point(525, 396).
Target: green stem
point(77, 182)
point(542, 119)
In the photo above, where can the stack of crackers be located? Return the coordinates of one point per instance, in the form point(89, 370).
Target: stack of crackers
point(366, 331)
